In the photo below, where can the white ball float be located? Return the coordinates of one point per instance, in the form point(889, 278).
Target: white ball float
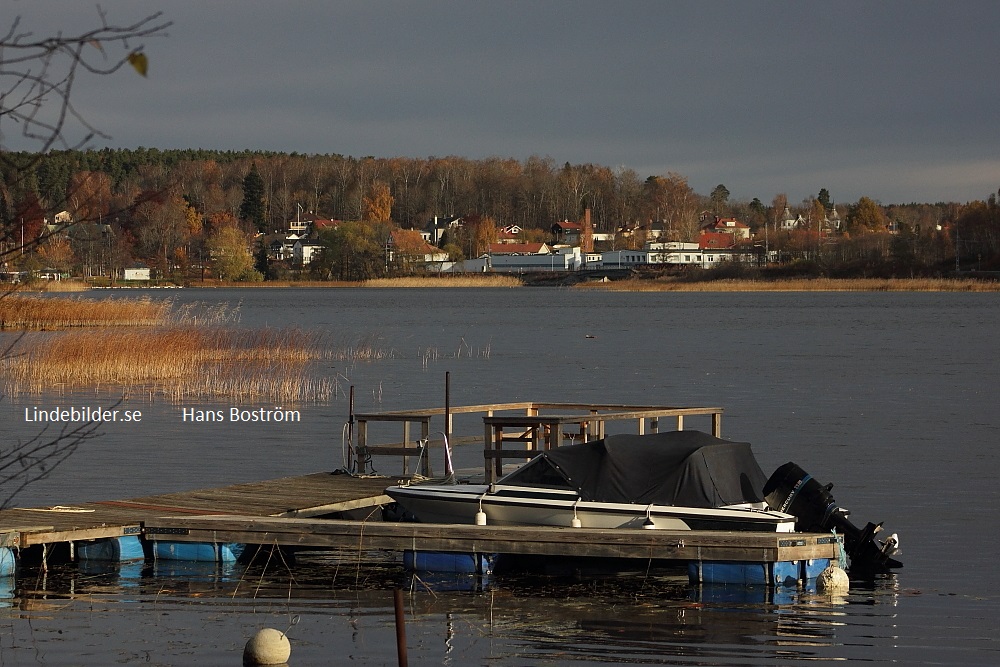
point(833, 580)
point(267, 647)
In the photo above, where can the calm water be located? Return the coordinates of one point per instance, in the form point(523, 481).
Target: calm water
point(892, 397)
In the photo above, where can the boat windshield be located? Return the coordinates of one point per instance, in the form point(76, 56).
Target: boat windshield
point(540, 473)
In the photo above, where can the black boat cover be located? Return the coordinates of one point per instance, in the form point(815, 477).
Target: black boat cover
point(683, 468)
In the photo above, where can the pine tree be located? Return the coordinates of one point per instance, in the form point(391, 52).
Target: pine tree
point(252, 208)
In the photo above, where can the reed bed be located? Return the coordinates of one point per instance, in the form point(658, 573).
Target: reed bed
point(464, 280)
point(27, 313)
point(53, 286)
point(37, 313)
point(798, 285)
point(180, 362)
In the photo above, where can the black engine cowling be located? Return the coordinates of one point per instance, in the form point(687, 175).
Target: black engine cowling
point(791, 489)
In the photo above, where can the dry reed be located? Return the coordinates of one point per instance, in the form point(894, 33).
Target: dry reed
point(462, 280)
point(38, 313)
point(798, 285)
point(180, 362)
point(41, 314)
point(52, 286)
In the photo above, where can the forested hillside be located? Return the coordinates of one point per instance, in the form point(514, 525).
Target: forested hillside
point(167, 207)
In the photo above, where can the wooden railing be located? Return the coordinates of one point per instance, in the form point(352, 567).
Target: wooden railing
point(539, 426)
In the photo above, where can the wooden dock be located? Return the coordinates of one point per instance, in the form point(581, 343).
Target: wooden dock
point(303, 496)
point(304, 512)
point(633, 543)
point(282, 513)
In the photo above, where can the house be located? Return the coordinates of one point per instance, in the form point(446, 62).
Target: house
point(656, 230)
point(520, 249)
point(737, 229)
point(567, 232)
point(790, 223)
point(715, 240)
point(303, 251)
point(407, 246)
point(280, 247)
point(509, 234)
point(304, 223)
point(563, 258)
point(435, 230)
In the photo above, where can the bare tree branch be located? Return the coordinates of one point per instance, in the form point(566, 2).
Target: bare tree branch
point(37, 79)
point(37, 76)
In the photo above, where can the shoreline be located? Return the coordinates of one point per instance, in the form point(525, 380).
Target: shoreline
point(661, 284)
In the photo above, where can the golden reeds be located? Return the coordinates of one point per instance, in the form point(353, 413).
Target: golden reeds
point(39, 313)
point(460, 280)
point(798, 285)
point(180, 362)
point(51, 286)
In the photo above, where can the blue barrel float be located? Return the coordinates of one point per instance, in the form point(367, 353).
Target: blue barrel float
point(198, 552)
point(8, 563)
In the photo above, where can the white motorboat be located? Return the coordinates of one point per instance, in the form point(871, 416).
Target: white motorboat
point(676, 480)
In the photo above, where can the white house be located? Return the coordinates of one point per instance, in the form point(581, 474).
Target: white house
point(304, 250)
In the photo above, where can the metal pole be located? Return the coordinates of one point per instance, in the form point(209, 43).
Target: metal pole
point(447, 422)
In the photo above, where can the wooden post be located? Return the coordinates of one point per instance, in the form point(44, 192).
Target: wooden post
point(406, 444)
point(717, 424)
point(425, 435)
point(488, 453)
point(362, 446)
point(680, 422)
point(397, 603)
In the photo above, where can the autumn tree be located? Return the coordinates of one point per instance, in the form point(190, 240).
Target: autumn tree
point(866, 215)
point(352, 251)
point(57, 254)
point(377, 204)
point(677, 205)
point(163, 230)
point(778, 205)
point(89, 195)
point(229, 249)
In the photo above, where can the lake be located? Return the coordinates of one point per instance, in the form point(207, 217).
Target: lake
point(890, 396)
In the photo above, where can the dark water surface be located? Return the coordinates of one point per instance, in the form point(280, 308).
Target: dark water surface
point(892, 397)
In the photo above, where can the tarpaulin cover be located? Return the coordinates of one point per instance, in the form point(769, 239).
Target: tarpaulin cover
point(684, 468)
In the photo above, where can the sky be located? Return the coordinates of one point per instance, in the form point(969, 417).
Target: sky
point(897, 100)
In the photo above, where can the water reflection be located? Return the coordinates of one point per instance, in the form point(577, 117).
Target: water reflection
point(643, 618)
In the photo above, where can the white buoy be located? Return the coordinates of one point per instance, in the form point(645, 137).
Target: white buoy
point(576, 523)
point(267, 647)
point(480, 518)
point(833, 580)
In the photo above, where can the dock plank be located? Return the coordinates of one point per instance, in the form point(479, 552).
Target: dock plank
point(531, 540)
point(304, 495)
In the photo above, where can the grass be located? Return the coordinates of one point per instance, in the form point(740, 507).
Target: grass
point(797, 285)
point(180, 362)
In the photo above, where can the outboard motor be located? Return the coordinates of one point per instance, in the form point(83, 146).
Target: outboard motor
point(791, 489)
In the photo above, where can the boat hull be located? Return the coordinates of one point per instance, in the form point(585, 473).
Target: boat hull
point(522, 506)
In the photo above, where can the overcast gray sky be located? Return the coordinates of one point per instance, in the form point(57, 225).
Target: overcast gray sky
point(897, 99)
